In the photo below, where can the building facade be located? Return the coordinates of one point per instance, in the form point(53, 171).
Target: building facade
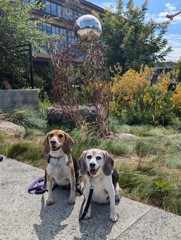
point(166, 67)
point(53, 8)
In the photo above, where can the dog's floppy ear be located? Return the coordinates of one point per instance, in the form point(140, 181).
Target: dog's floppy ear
point(108, 164)
point(68, 144)
point(82, 164)
point(46, 145)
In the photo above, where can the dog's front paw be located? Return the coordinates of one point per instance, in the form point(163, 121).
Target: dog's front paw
point(49, 201)
point(71, 201)
point(117, 198)
point(114, 218)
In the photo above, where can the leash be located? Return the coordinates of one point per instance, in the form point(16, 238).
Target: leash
point(78, 190)
point(37, 187)
point(82, 213)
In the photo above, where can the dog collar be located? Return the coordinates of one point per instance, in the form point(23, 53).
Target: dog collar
point(49, 156)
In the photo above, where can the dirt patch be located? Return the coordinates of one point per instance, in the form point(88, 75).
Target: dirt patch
point(129, 160)
point(132, 160)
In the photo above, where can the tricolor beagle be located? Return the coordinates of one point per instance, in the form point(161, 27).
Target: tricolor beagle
point(97, 169)
point(61, 168)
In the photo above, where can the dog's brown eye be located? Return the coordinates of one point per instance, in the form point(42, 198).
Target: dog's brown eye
point(51, 135)
point(89, 156)
point(60, 136)
point(98, 158)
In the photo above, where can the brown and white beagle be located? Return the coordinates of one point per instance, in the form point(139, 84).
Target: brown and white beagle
point(97, 170)
point(61, 168)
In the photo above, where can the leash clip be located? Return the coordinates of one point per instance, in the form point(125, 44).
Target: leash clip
point(91, 186)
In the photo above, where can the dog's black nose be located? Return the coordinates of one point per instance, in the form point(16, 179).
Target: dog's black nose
point(92, 165)
point(53, 142)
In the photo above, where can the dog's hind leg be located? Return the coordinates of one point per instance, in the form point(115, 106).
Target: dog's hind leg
point(113, 214)
point(117, 193)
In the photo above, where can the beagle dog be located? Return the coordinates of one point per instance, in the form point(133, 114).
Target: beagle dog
point(61, 168)
point(97, 170)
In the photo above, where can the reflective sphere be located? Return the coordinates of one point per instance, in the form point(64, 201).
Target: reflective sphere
point(87, 28)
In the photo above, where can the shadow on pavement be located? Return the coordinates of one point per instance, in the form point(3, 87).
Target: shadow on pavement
point(99, 225)
point(53, 215)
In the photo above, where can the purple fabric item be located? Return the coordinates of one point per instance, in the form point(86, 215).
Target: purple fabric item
point(37, 187)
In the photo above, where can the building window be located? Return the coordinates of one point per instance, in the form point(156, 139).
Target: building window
point(30, 1)
point(59, 9)
point(57, 30)
point(53, 8)
point(47, 7)
point(51, 29)
point(45, 49)
point(71, 37)
point(66, 39)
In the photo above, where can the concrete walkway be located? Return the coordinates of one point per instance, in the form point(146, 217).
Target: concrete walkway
point(25, 216)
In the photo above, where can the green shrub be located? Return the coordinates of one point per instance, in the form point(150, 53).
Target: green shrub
point(27, 116)
point(2, 136)
point(150, 189)
point(83, 142)
point(116, 147)
point(27, 152)
point(3, 116)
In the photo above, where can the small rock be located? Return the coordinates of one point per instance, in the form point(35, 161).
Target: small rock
point(56, 115)
point(12, 128)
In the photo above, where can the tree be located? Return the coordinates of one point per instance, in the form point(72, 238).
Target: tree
point(132, 42)
point(16, 29)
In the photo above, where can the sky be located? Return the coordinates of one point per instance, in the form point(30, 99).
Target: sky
point(157, 10)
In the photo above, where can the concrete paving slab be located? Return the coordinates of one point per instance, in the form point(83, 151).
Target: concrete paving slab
point(154, 225)
point(25, 216)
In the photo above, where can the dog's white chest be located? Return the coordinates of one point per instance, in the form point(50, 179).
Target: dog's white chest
point(100, 194)
point(101, 189)
point(59, 171)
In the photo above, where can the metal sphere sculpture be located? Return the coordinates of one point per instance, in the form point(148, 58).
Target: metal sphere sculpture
point(80, 78)
point(87, 29)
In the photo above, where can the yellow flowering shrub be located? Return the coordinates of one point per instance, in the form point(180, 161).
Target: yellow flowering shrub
point(143, 101)
point(125, 88)
point(115, 108)
point(163, 83)
point(176, 97)
point(99, 90)
point(156, 94)
point(159, 94)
